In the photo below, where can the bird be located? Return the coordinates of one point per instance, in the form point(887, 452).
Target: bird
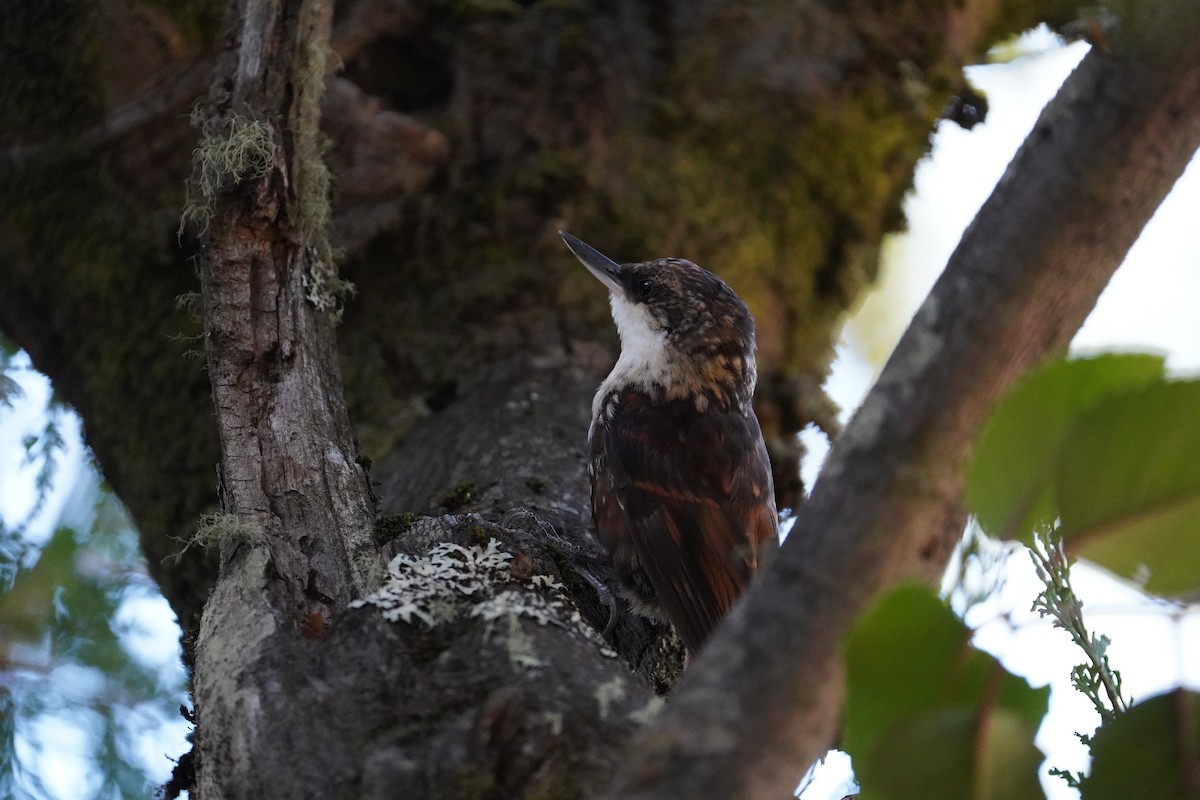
point(682, 495)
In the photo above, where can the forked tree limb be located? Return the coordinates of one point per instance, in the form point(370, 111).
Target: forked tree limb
point(762, 701)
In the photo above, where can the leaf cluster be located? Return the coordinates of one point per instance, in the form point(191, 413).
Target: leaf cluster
point(1103, 449)
point(67, 659)
point(1094, 457)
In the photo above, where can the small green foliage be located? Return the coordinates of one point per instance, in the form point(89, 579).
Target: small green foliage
point(457, 497)
point(1128, 486)
point(1059, 602)
point(44, 449)
point(928, 715)
point(1106, 446)
point(1010, 481)
point(62, 612)
point(1096, 455)
point(1149, 752)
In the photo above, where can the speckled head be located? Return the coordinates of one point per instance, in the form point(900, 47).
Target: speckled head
point(683, 330)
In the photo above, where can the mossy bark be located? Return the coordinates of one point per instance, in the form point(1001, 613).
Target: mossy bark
point(770, 144)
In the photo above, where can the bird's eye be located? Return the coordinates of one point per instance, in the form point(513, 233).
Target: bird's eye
point(645, 287)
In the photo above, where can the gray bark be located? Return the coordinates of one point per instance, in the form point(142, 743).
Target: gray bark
point(296, 537)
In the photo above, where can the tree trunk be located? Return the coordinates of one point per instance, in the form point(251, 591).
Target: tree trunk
point(297, 517)
point(772, 145)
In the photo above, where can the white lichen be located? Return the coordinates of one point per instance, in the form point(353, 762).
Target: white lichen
point(521, 654)
point(554, 720)
point(232, 150)
point(539, 608)
point(452, 582)
point(649, 712)
point(608, 693)
point(432, 588)
point(218, 529)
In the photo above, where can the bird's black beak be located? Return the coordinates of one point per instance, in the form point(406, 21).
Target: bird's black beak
point(600, 265)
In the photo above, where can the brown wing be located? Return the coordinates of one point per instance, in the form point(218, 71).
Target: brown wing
point(684, 498)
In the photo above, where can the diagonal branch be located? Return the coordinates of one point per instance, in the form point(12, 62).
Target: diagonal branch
point(762, 702)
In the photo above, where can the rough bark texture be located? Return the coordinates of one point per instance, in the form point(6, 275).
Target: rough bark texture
point(496, 125)
point(295, 533)
point(771, 143)
point(762, 701)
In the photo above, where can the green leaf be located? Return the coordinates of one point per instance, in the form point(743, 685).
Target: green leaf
point(29, 604)
point(953, 753)
point(1129, 486)
point(929, 716)
point(1150, 752)
point(1009, 481)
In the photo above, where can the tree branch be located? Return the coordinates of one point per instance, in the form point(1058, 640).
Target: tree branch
point(304, 514)
point(762, 701)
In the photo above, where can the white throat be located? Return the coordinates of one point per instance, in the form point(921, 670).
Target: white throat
point(644, 359)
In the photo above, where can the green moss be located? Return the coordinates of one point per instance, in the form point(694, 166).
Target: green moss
point(718, 158)
point(78, 242)
point(310, 174)
point(476, 244)
point(789, 209)
point(479, 536)
point(392, 527)
point(457, 497)
point(667, 662)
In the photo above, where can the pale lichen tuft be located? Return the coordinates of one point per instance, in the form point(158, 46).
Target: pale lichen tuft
point(231, 151)
point(452, 582)
point(218, 529)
